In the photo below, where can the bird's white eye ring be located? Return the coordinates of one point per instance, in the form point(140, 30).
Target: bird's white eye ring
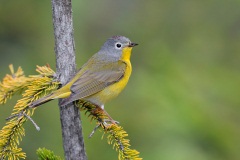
point(118, 45)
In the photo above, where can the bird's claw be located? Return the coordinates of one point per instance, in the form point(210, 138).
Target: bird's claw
point(105, 122)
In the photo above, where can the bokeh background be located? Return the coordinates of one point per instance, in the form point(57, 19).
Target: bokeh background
point(182, 101)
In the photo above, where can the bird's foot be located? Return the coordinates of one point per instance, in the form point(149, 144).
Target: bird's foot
point(106, 121)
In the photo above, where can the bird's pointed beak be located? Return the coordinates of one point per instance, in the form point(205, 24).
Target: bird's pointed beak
point(132, 44)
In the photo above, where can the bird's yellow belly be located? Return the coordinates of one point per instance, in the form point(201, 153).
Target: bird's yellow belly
point(113, 90)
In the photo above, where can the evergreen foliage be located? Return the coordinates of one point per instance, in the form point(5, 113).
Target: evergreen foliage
point(34, 87)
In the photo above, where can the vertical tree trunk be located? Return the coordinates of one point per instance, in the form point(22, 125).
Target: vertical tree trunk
point(65, 63)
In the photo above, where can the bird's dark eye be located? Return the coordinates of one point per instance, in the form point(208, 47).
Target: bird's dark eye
point(118, 45)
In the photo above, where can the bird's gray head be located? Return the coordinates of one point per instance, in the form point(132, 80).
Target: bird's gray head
point(113, 46)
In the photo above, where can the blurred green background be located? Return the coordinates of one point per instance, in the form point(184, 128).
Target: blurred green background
point(182, 101)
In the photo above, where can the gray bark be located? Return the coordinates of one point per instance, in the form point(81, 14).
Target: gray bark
point(65, 63)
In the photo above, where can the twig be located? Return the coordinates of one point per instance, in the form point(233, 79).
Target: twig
point(34, 123)
point(94, 130)
point(27, 116)
point(13, 116)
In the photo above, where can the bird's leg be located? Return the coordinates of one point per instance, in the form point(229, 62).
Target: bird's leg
point(102, 121)
point(98, 112)
point(109, 118)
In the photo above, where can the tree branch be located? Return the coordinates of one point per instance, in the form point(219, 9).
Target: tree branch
point(65, 64)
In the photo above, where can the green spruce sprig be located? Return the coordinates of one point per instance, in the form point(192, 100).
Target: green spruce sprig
point(116, 135)
point(32, 87)
point(45, 154)
point(35, 87)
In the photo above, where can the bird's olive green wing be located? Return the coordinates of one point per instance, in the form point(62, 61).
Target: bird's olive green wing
point(93, 81)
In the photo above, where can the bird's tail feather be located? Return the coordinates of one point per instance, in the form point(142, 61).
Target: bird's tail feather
point(41, 101)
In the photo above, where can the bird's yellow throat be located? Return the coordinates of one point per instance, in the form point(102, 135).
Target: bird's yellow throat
point(126, 54)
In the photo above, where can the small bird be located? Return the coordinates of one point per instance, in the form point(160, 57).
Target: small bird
point(99, 80)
